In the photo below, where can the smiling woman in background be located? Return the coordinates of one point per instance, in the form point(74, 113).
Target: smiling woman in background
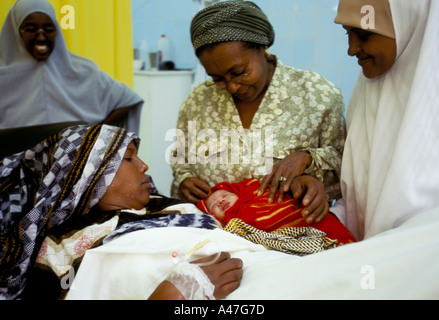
point(251, 91)
point(41, 82)
point(389, 170)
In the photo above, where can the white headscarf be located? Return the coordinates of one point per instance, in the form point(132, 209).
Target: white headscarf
point(390, 169)
point(63, 88)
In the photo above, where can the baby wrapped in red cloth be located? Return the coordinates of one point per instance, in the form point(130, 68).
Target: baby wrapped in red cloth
point(240, 200)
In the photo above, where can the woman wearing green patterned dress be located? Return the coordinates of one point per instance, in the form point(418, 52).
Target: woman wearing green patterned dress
point(255, 117)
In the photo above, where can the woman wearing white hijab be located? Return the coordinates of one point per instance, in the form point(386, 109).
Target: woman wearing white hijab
point(390, 166)
point(42, 82)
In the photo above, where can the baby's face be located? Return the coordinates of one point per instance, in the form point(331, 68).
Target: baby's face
point(219, 201)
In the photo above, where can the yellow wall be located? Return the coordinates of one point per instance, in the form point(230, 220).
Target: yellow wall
point(102, 33)
point(5, 5)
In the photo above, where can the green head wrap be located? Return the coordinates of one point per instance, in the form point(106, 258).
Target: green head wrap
point(231, 21)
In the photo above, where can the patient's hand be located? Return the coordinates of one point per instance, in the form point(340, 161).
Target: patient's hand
point(166, 291)
point(225, 274)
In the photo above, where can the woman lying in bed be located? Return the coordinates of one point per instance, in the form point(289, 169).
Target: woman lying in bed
point(66, 195)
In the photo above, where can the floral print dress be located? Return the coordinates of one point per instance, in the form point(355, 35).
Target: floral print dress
point(301, 111)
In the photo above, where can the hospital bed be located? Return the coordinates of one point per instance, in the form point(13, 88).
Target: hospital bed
point(401, 263)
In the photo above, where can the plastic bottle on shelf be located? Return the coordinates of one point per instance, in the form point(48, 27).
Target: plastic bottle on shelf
point(144, 55)
point(164, 49)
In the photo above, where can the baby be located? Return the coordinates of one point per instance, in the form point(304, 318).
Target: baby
point(240, 200)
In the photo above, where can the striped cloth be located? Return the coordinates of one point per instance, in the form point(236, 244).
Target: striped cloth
point(41, 188)
point(293, 240)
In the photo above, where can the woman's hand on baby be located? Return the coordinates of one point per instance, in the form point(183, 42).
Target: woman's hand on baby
point(193, 190)
point(313, 196)
point(225, 274)
point(286, 169)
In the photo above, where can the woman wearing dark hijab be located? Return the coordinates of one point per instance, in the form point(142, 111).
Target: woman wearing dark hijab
point(282, 115)
point(66, 194)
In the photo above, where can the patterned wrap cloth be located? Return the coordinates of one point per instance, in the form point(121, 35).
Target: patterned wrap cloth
point(303, 111)
point(63, 176)
point(299, 241)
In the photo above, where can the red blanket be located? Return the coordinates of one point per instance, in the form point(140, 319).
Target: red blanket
point(256, 211)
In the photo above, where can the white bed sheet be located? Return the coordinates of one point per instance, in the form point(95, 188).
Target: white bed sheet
point(402, 263)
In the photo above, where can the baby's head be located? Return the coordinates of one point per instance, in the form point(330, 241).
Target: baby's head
point(218, 203)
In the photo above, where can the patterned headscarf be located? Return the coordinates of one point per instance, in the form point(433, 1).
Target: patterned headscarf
point(231, 21)
point(65, 175)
